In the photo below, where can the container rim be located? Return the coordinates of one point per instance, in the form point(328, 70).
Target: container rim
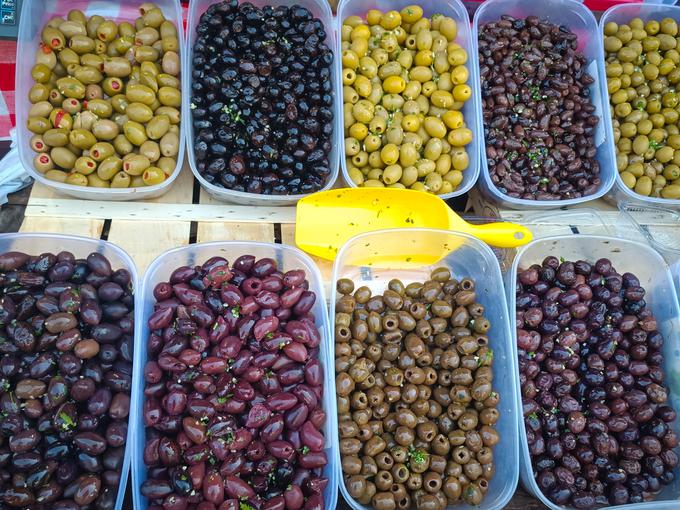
point(95, 193)
point(621, 187)
point(473, 69)
point(606, 185)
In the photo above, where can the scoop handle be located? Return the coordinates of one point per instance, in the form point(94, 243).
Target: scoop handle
point(501, 235)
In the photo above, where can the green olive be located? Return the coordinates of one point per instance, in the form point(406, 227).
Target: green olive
point(169, 145)
point(136, 164)
point(145, 53)
point(172, 113)
point(170, 97)
point(117, 66)
point(139, 112)
point(92, 60)
point(100, 107)
point(167, 165)
point(137, 93)
point(71, 27)
point(112, 86)
point(39, 92)
point(81, 44)
point(53, 38)
point(76, 179)
point(56, 175)
point(58, 137)
point(109, 167)
point(63, 157)
point(153, 175)
point(123, 145)
point(43, 162)
point(135, 132)
point(158, 127)
point(38, 125)
point(119, 103)
point(105, 129)
point(85, 165)
point(40, 109)
point(121, 180)
point(88, 75)
point(101, 150)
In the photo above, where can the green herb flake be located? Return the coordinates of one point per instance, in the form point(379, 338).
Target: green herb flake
point(68, 421)
point(533, 416)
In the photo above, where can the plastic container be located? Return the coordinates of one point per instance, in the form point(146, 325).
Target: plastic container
point(34, 15)
point(623, 14)
point(374, 258)
point(580, 20)
point(81, 247)
point(662, 300)
point(160, 269)
point(471, 110)
point(320, 9)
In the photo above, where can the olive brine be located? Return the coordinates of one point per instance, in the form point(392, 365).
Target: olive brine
point(234, 390)
point(106, 100)
point(66, 339)
point(262, 99)
point(416, 406)
point(598, 422)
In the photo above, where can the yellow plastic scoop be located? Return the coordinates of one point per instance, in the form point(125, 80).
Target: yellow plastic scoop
point(326, 220)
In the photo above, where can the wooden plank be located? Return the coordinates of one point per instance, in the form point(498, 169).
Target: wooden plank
point(145, 241)
point(79, 227)
point(151, 212)
point(235, 232)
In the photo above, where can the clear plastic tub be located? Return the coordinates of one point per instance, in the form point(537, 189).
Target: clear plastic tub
point(81, 247)
point(661, 297)
point(580, 20)
point(471, 111)
point(320, 9)
point(374, 258)
point(160, 269)
point(34, 15)
point(623, 14)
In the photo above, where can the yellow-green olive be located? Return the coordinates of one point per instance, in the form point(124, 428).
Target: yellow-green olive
point(63, 157)
point(121, 180)
point(123, 145)
point(169, 145)
point(58, 137)
point(167, 165)
point(38, 125)
point(169, 97)
point(105, 129)
point(153, 175)
point(95, 181)
point(157, 127)
point(151, 150)
point(117, 66)
point(38, 144)
point(70, 87)
point(101, 150)
point(76, 179)
point(109, 167)
point(112, 85)
point(135, 132)
point(85, 165)
point(136, 164)
point(100, 107)
point(43, 162)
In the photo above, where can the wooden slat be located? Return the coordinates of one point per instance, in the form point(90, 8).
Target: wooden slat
point(79, 227)
point(235, 232)
point(144, 241)
point(147, 211)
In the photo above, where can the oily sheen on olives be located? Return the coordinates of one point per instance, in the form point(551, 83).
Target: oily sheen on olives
point(262, 99)
point(234, 390)
point(596, 409)
point(66, 332)
point(416, 406)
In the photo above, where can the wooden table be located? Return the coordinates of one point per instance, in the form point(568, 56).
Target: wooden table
point(187, 214)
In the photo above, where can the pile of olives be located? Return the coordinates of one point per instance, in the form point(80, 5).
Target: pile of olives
point(404, 85)
point(106, 100)
point(642, 77)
